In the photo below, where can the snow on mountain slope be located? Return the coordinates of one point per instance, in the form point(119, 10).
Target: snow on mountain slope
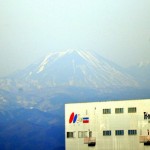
point(77, 68)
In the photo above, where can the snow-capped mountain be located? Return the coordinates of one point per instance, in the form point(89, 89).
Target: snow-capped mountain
point(77, 68)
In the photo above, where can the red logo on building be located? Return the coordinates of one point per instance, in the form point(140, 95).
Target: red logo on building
point(76, 118)
point(73, 118)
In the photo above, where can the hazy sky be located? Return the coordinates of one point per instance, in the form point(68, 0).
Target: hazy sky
point(118, 29)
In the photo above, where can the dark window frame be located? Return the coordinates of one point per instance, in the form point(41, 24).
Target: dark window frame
point(132, 132)
point(132, 110)
point(107, 133)
point(107, 111)
point(70, 134)
point(119, 110)
point(119, 132)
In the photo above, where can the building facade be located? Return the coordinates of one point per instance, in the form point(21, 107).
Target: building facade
point(110, 125)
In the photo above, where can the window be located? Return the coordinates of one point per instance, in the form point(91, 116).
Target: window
point(107, 133)
point(106, 111)
point(82, 134)
point(132, 110)
point(132, 132)
point(119, 110)
point(119, 132)
point(70, 134)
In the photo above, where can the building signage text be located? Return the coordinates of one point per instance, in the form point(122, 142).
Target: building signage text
point(76, 118)
point(146, 115)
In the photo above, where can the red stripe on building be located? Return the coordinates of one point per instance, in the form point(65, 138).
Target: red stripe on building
point(85, 121)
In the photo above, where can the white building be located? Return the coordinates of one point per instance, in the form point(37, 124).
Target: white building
point(110, 125)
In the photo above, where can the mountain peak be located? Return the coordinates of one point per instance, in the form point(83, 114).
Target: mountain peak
point(78, 68)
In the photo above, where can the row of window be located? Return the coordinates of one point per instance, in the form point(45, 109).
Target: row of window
point(84, 134)
point(120, 110)
point(119, 132)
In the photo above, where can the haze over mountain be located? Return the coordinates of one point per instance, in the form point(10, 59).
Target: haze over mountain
point(33, 99)
point(77, 68)
point(141, 73)
point(72, 73)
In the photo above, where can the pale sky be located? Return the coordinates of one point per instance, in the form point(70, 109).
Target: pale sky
point(29, 29)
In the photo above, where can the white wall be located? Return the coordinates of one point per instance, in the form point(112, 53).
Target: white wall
point(98, 122)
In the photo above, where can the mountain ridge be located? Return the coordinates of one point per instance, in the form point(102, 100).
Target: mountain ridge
point(77, 68)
